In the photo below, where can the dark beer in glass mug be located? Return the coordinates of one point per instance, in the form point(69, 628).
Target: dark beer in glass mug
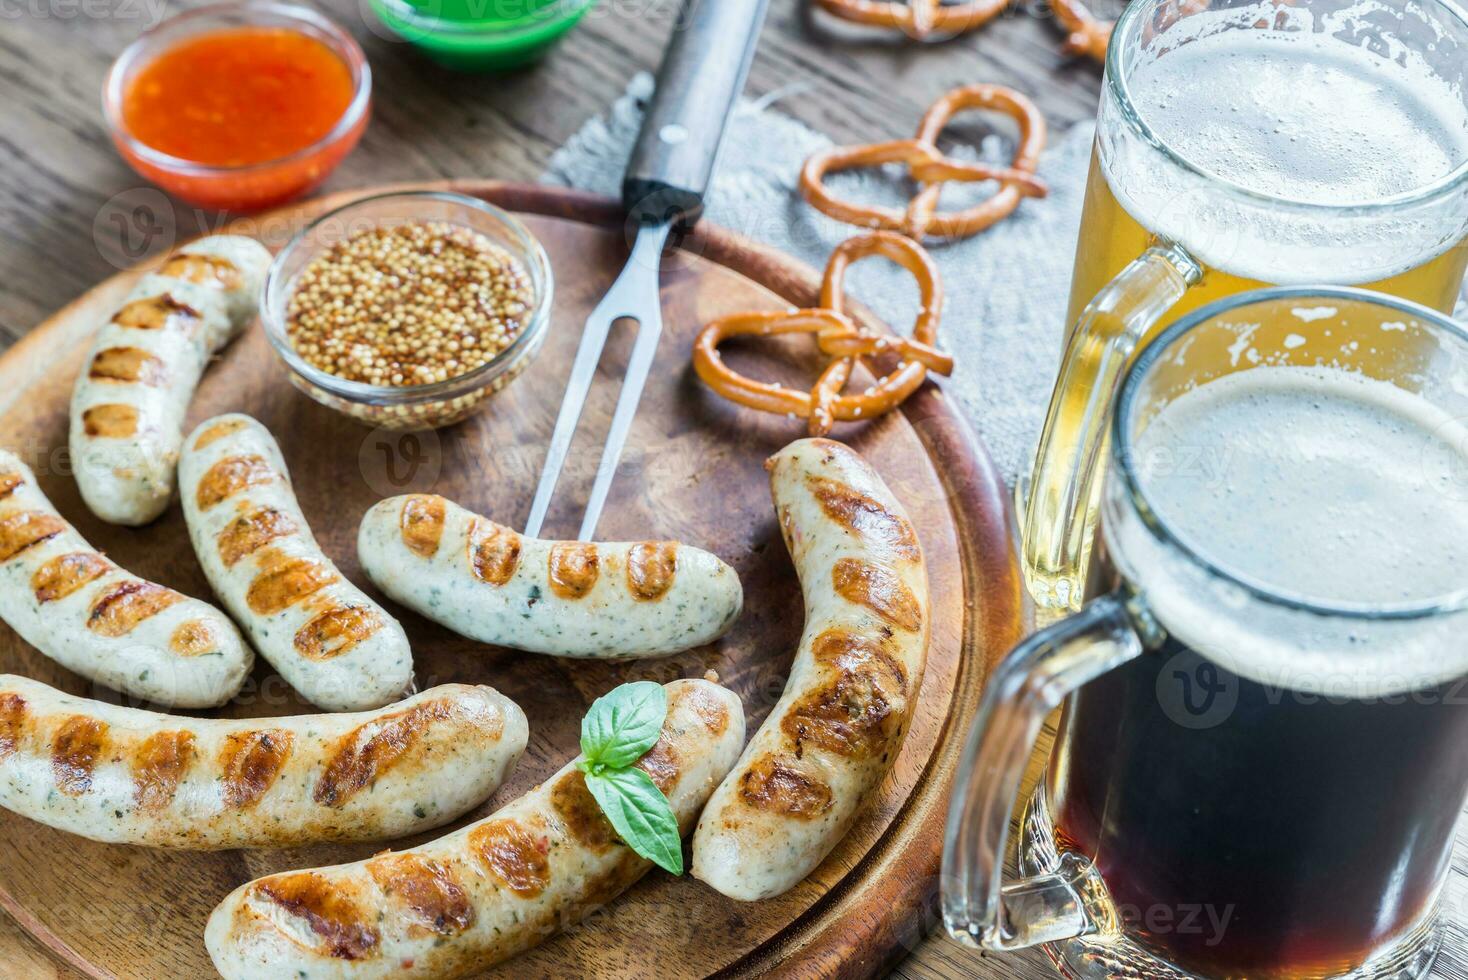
point(1328, 820)
point(1264, 748)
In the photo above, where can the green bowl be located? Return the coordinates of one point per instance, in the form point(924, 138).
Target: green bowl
point(481, 35)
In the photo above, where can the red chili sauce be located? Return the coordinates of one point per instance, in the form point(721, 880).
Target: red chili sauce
point(241, 98)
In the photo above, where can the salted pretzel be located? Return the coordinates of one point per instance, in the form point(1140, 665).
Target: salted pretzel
point(928, 165)
point(839, 337)
point(1086, 34)
point(1089, 35)
point(917, 18)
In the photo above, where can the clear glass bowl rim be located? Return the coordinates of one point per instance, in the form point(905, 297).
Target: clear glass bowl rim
point(531, 252)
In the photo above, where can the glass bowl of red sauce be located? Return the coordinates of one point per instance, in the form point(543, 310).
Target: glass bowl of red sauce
point(239, 106)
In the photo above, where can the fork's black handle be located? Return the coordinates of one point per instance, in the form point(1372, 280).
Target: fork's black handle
point(702, 74)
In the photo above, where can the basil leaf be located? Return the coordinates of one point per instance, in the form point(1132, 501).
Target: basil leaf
point(640, 814)
point(623, 724)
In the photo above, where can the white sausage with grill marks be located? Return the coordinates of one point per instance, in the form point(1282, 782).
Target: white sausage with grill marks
point(329, 641)
point(79, 608)
point(475, 898)
point(564, 598)
point(121, 775)
point(129, 402)
point(839, 724)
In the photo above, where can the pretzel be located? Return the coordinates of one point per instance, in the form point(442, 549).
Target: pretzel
point(917, 18)
point(838, 336)
point(928, 165)
point(1086, 34)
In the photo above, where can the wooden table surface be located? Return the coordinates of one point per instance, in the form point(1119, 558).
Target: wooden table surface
point(69, 211)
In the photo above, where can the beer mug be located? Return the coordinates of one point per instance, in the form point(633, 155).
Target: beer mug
point(1240, 145)
point(1264, 744)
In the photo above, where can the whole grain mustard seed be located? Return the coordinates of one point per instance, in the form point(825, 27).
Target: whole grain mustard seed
point(408, 304)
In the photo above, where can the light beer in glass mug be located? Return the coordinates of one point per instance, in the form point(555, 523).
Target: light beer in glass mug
point(1239, 145)
point(1264, 748)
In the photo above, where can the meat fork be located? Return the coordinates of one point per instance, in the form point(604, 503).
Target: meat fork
point(702, 74)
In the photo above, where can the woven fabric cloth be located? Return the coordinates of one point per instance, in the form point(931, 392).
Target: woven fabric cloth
point(1006, 288)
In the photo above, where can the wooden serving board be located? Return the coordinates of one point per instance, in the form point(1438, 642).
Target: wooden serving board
point(693, 471)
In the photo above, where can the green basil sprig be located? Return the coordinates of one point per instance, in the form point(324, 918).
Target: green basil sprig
point(620, 728)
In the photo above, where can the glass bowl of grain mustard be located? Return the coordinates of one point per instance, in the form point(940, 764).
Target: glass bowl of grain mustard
point(408, 310)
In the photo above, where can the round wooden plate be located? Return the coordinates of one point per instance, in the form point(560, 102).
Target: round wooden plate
point(693, 471)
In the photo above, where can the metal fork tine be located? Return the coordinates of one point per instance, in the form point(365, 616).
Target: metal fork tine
point(634, 294)
point(583, 371)
point(649, 330)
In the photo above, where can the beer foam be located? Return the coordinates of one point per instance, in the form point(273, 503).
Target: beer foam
point(1320, 485)
point(1307, 118)
point(1303, 117)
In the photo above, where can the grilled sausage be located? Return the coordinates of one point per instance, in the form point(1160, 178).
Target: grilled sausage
point(479, 896)
point(121, 775)
point(846, 707)
point(84, 612)
point(329, 641)
point(565, 598)
point(128, 406)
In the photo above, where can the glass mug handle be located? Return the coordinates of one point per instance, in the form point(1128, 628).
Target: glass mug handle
point(979, 908)
point(1059, 513)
